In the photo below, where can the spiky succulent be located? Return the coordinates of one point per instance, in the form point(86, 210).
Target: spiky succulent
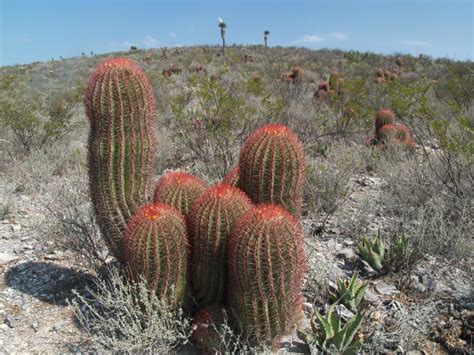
point(232, 177)
point(210, 220)
point(372, 251)
point(179, 189)
point(349, 292)
point(272, 167)
point(266, 266)
point(336, 338)
point(121, 109)
point(384, 117)
point(395, 134)
point(156, 248)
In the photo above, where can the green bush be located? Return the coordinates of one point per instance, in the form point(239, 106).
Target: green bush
point(36, 120)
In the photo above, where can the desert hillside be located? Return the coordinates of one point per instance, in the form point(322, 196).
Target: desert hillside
point(390, 202)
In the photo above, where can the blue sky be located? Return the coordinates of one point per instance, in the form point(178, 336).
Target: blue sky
point(34, 30)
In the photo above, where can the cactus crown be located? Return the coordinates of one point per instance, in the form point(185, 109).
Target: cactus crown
point(156, 247)
point(179, 189)
point(272, 167)
point(384, 117)
point(116, 69)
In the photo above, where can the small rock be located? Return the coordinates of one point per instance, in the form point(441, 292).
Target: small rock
point(343, 312)
point(386, 289)
point(371, 297)
point(10, 321)
point(347, 253)
point(5, 258)
point(308, 307)
point(4, 327)
point(16, 227)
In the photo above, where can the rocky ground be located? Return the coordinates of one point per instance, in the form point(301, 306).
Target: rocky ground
point(37, 280)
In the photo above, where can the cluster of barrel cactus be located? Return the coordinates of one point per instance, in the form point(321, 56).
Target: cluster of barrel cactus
point(236, 245)
point(331, 87)
point(388, 132)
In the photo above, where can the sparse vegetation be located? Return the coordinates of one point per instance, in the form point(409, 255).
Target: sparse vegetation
point(207, 105)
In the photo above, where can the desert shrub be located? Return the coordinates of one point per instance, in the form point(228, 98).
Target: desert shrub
point(34, 120)
point(74, 226)
point(211, 121)
point(126, 318)
point(328, 182)
point(458, 85)
point(421, 206)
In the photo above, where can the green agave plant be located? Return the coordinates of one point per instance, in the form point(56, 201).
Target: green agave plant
point(372, 251)
point(349, 292)
point(334, 338)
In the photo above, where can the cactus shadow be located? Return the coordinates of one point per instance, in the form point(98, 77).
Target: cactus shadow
point(47, 282)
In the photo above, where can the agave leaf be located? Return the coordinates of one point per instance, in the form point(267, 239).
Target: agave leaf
point(333, 319)
point(328, 332)
point(360, 294)
point(353, 349)
point(352, 282)
point(352, 327)
point(379, 248)
point(375, 262)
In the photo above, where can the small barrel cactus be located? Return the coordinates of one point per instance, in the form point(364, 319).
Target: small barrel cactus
point(210, 220)
point(206, 334)
point(384, 117)
point(272, 167)
point(266, 265)
point(232, 177)
point(396, 134)
point(179, 189)
point(156, 248)
point(121, 109)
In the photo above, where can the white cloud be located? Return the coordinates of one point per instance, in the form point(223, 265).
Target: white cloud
point(316, 38)
point(172, 35)
point(417, 43)
point(310, 39)
point(150, 41)
point(337, 35)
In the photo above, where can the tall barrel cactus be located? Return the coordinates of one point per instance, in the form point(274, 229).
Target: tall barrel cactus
point(266, 264)
point(156, 248)
point(272, 167)
point(384, 117)
point(210, 220)
point(121, 109)
point(179, 189)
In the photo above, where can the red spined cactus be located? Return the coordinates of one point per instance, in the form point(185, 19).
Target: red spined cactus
point(232, 177)
point(384, 117)
point(396, 134)
point(120, 106)
point(266, 266)
point(323, 85)
point(272, 167)
point(156, 248)
point(179, 189)
point(210, 220)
